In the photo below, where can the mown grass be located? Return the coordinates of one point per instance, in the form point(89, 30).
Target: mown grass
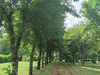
point(86, 71)
point(46, 70)
point(3, 65)
point(24, 68)
point(90, 64)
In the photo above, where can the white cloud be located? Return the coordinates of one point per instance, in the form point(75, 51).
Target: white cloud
point(71, 20)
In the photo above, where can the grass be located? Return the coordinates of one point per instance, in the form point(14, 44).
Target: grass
point(46, 70)
point(3, 65)
point(24, 68)
point(88, 69)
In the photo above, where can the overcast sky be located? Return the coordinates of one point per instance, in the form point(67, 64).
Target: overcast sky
point(71, 20)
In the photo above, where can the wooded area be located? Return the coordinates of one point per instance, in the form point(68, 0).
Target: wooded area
point(34, 30)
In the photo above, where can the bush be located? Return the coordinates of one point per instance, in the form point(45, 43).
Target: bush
point(94, 60)
point(35, 58)
point(25, 58)
point(5, 58)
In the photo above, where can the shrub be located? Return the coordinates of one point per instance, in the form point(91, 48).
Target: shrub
point(94, 61)
point(25, 58)
point(35, 58)
point(8, 70)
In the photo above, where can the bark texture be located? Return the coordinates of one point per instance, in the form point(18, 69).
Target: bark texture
point(14, 45)
point(46, 61)
point(60, 56)
point(31, 58)
point(50, 58)
point(83, 61)
point(43, 58)
point(40, 50)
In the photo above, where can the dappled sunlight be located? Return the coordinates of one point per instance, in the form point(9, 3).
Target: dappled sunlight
point(91, 69)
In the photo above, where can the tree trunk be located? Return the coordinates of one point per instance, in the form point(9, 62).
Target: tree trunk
point(15, 63)
point(60, 56)
point(46, 61)
point(86, 57)
point(49, 56)
point(15, 49)
point(56, 56)
point(52, 56)
point(83, 61)
point(39, 60)
point(15, 55)
point(43, 58)
point(73, 58)
point(14, 45)
point(76, 58)
point(66, 59)
point(31, 58)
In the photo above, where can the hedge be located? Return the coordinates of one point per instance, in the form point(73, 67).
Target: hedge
point(5, 58)
point(8, 58)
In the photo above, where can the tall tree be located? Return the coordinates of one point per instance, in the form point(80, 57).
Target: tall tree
point(48, 19)
point(13, 19)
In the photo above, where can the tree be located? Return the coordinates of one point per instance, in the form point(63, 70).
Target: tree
point(48, 17)
point(14, 18)
point(79, 38)
point(44, 19)
point(90, 10)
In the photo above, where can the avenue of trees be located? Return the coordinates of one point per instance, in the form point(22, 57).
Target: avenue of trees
point(34, 30)
point(32, 26)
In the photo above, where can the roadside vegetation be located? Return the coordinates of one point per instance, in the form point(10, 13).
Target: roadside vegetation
point(88, 68)
point(24, 68)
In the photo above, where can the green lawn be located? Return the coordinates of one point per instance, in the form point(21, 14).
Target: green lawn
point(24, 68)
point(46, 70)
point(85, 71)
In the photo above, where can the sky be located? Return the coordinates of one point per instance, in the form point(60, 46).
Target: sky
point(71, 20)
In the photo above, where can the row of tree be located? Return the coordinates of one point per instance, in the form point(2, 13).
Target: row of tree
point(35, 24)
point(83, 40)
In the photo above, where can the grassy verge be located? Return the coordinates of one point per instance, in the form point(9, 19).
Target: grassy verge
point(85, 70)
point(46, 70)
point(24, 68)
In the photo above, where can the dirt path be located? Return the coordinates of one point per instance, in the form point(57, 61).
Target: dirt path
point(62, 68)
